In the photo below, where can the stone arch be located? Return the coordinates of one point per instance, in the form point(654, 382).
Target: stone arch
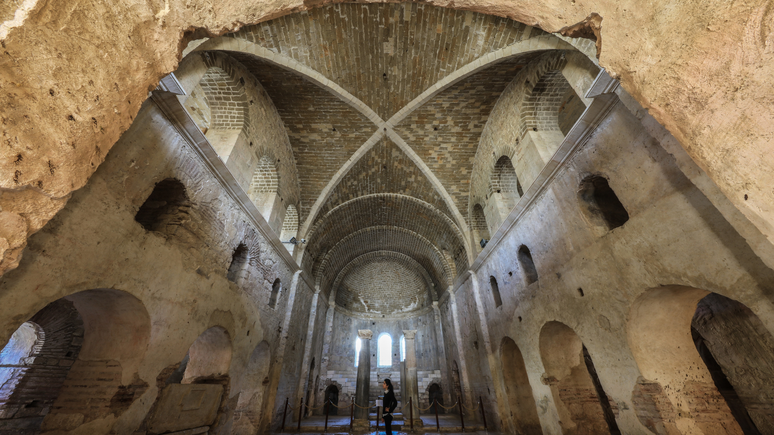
point(520, 399)
point(35, 363)
point(254, 382)
point(209, 356)
point(83, 365)
point(700, 349)
point(582, 404)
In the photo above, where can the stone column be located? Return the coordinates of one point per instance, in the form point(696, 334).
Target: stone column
point(363, 378)
point(411, 383)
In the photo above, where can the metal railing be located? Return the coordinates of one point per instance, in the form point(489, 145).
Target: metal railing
point(328, 403)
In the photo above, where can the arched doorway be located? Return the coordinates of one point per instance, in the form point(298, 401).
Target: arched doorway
point(64, 367)
point(332, 396)
point(704, 357)
point(521, 402)
point(435, 398)
point(583, 406)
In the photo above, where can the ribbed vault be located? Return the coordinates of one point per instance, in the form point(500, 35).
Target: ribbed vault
point(384, 106)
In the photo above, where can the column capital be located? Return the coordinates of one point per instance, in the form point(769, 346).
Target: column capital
point(365, 334)
point(409, 333)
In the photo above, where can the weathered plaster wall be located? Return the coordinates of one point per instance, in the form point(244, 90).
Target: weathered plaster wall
point(589, 281)
point(179, 276)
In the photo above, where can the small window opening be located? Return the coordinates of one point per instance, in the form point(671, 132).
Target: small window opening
point(601, 202)
point(275, 291)
point(402, 348)
point(384, 350)
point(527, 265)
point(238, 262)
point(495, 291)
point(166, 206)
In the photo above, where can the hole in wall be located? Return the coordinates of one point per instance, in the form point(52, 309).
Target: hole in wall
point(580, 291)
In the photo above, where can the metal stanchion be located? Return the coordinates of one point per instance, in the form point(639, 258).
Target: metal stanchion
point(351, 414)
point(411, 412)
point(483, 415)
point(437, 422)
point(284, 414)
point(462, 416)
point(300, 409)
point(327, 408)
point(377, 420)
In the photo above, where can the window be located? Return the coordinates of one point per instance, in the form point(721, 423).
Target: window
point(358, 346)
point(238, 263)
point(495, 291)
point(384, 351)
point(275, 291)
point(527, 265)
point(403, 348)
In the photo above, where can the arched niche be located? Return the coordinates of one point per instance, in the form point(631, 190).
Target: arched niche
point(504, 192)
point(583, 406)
point(521, 402)
point(83, 353)
point(192, 395)
point(254, 383)
point(704, 359)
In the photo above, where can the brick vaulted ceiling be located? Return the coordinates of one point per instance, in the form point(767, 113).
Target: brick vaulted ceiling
point(384, 105)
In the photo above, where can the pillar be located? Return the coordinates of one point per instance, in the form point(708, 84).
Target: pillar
point(411, 384)
point(363, 378)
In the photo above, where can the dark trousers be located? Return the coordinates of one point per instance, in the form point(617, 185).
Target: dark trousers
point(387, 424)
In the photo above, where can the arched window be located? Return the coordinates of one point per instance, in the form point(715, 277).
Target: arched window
point(479, 226)
point(403, 348)
point(601, 205)
point(166, 208)
point(384, 350)
point(238, 262)
point(289, 227)
point(358, 346)
point(495, 291)
point(527, 265)
point(275, 291)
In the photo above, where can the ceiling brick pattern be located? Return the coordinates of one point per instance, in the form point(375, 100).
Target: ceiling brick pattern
point(385, 54)
point(384, 169)
point(380, 239)
point(386, 284)
point(323, 130)
point(225, 98)
point(445, 132)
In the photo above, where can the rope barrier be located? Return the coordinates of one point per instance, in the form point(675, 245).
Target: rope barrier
point(448, 407)
point(319, 407)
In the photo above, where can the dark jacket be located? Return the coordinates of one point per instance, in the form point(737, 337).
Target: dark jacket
point(390, 402)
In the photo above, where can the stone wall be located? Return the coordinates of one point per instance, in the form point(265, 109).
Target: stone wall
point(177, 273)
point(589, 281)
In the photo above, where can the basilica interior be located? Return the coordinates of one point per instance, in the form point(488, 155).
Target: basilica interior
point(543, 218)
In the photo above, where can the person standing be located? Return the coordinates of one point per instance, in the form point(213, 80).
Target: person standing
point(389, 403)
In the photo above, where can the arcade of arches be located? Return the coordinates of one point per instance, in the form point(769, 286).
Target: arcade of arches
point(524, 204)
